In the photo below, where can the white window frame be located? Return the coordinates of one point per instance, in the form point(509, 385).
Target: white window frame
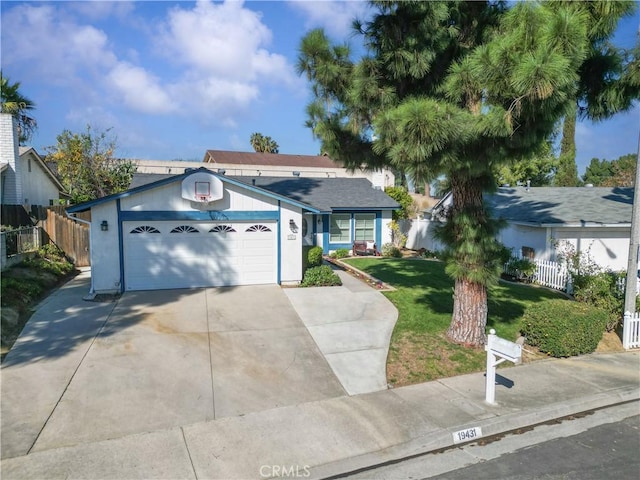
point(342, 217)
point(364, 217)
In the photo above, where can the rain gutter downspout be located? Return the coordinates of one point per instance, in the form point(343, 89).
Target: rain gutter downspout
point(92, 293)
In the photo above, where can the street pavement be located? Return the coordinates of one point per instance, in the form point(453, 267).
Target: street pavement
point(336, 434)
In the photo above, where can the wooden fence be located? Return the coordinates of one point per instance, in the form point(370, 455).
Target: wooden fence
point(631, 331)
point(70, 236)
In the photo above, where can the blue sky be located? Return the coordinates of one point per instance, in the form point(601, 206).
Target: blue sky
point(175, 78)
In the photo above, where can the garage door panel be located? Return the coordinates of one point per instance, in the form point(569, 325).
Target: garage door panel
point(207, 258)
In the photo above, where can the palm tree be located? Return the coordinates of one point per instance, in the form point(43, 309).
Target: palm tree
point(16, 104)
point(263, 143)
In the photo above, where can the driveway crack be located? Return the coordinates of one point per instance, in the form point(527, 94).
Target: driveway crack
point(213, 392)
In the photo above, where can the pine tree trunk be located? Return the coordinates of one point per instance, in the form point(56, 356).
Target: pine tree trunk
point(470, 298)
point(469, 313)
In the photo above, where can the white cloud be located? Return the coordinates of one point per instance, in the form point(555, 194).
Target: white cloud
point(335, 17)
point(210, 61)
point(140, 90)
point(55, 46)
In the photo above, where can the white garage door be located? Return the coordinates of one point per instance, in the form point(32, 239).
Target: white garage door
point(181, 254)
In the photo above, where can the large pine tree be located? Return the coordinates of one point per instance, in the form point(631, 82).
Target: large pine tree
point(454, 88)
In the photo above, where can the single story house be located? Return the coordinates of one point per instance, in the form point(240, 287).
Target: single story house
point(594, 220)
point(202, 228)
point(24, 177)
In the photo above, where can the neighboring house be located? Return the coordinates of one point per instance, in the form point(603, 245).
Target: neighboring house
point(25, 179)
point(202, 228)
point(268, 165)
point(594, 220)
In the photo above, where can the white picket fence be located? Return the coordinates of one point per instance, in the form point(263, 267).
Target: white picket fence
point(631, 331)
point(553, 275)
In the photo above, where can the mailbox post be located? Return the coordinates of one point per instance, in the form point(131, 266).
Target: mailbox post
point(498, 350)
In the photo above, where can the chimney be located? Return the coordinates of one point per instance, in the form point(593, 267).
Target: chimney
point(9, 154)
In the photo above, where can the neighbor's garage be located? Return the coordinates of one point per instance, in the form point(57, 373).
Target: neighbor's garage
point(183, 254)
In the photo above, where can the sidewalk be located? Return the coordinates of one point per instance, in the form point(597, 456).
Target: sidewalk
point(331, 437)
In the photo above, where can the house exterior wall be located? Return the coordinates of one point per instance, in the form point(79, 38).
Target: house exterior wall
point(290, 244)
point(11, 187)
point(37, 187)
point(105, 248)
point(607, 246)
point(517, 236)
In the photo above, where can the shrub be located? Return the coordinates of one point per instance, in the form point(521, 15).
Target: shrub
point(314, 257)
point(322, 276)
point(562, 328)
point(341, 253)
point(390, 250)
point(521, 268)
point(399, 238)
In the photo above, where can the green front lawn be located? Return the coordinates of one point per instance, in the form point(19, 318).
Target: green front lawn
point(419, 350)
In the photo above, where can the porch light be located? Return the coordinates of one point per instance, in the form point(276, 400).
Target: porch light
point(104, 226)
point(292, 226)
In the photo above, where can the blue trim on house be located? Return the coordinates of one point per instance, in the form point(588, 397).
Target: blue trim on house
point(279, 245)
point(166, 181)
point(202, 216)
point(120, 244)
point(325, 234)
point(328, 246)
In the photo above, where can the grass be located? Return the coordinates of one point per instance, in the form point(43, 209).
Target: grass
point(419, 350)
point(23, 285)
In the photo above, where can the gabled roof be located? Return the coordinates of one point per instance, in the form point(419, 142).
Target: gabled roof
point(318, 195)
point(269, 159)
point(22, 151)
point(567, 206)
point(148, 181)
point(327, 194)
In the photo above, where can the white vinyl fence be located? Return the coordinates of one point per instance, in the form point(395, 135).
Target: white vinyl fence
point(631, 331)
point(552, 274)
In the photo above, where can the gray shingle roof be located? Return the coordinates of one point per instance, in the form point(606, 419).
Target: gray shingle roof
point(563, 205)
point(324, 194)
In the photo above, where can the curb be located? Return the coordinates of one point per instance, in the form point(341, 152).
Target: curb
point(491, 427)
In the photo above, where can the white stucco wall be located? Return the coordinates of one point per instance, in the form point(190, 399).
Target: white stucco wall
point(385, 219)
point(105, 259)
point(607, 246)
point(517, 236)
point(37, 186)
point(290, 245)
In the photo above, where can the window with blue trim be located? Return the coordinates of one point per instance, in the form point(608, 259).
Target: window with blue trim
point(340, 228)
point(365, 226)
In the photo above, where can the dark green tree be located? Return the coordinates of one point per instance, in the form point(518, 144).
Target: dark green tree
point(597, 172)
point(608, 77)
point(453, 88)
point(87, 167)
point(16, 104)
point(262, 143)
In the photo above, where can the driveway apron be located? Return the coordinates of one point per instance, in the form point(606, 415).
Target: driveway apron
point(162, 359)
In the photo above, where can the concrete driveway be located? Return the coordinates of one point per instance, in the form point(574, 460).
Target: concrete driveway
point(83, 371)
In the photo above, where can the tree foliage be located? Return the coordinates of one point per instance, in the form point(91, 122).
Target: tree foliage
point(263, 143)
point(615, 173)
point(87, 167)
point(16, 104)
point(452, 88)
point(608, 80)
